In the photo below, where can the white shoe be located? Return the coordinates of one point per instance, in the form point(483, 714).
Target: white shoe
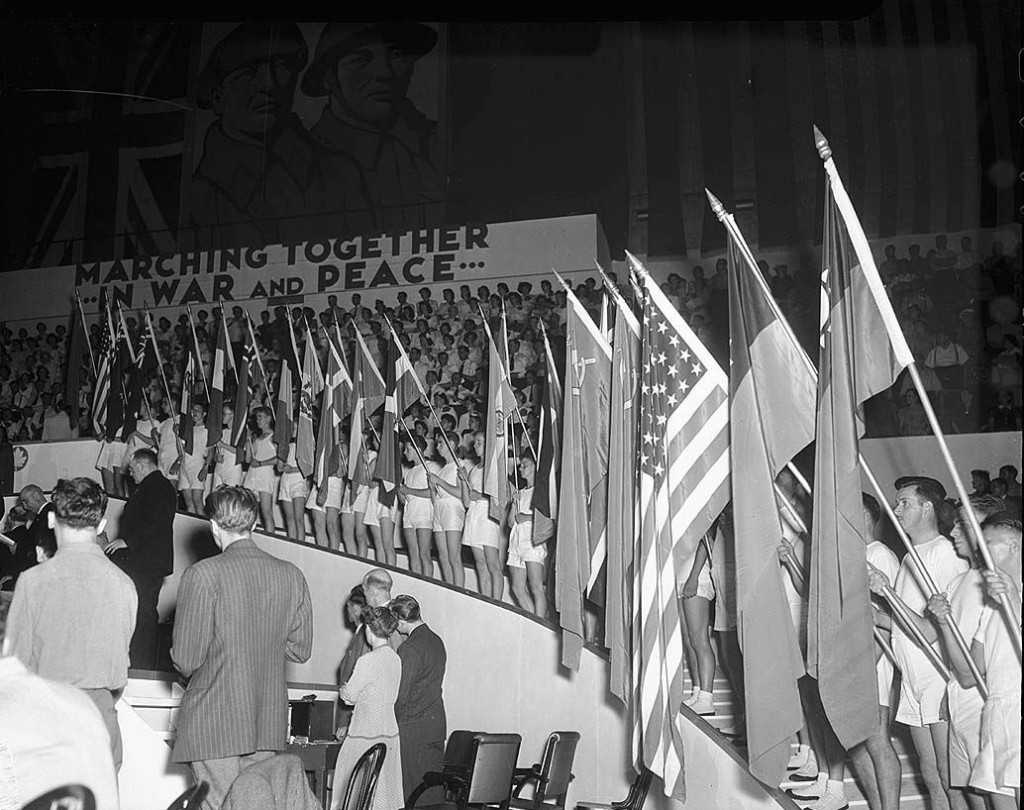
point(799, 757)
point(704, 705)
point(692, 698)
point(807, 772)
point(830, 801)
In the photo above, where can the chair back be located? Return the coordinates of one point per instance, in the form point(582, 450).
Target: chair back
point(362, 785)
point(458, 752)
point(494, 763)
point(66, 797)
point(191, 798)
point(637, 791)
point(556, 767)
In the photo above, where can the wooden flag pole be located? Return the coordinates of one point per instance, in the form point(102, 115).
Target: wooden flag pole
point(860, 245)
point(88, 340)
point(167, 389)
point(504, 373)
point(195, 345)
point(921, 573)
point(922, 642)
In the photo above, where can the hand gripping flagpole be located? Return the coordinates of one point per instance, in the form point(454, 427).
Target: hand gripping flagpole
point(921, 573)
point(419, 385)
point(860, 245)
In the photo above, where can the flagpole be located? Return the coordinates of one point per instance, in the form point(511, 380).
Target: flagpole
point(857, 237)
point(88, 340)
point(131, 354)
point(921, 573)
point(227, 342)
point(195, 343)
point(259, 359)
point(415, 447)
point(504, 373)
point(163, 376)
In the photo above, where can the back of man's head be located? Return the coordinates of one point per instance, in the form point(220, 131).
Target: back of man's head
point(32, 498)
point(233, 509)
point(78, 503)
point(145, 459)
point(377, 586)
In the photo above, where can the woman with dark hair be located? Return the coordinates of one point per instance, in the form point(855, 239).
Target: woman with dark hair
point(357, 645)
point(422, 725)
point(483, 535)
point(262, 457)
point(372, 691)
point(417, 511)
point(449, 513)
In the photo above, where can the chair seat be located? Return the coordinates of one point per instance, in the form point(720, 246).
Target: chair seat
point(597, 806)
point(528, 804)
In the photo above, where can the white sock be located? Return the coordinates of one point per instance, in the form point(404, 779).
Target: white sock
point(702, 694)
point(834, 786)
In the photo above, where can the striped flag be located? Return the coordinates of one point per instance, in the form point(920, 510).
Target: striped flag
point(188, 382)
point(625, 405)
point(116, 394)
point(683, 448)
point(500, 403)
point(243, 399)
point(311, 384)
point(583, 493)
point(545, 493)
point(367, 398)
point(102, 390)
point(335, 404)
point(284, 416)
point(864, 352)
point(401, 390)
point(215, 413)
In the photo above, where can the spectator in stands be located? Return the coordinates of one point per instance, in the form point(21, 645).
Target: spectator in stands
point(233, 710)
point(911, 419)
point(1008, 475)
point(53, 735)
point(942, 260)
point(1005, 415)
point(145, 549)
point(72, 618)
point(981, 482)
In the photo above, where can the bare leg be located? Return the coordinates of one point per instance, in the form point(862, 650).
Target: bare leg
point(119, 483)
point(483, 576)
point(333, 528)
point(454, 541)
point(298, 506)
point(348, 533)
point(940, 741)
point(732, 663)
point(320, 528)
point(1000, 802)
point(362, 538)
point(423, 537)
point(493, 562)
point(387, 539)
point(520, 591)
point(378, 553)
point(535, 580)
point(289, 520)
point(691, 654)
point(926, 758)
point(412, 545)
point(698, 617)
point(108, 481)
point(878, 767)
point(442, 556)
point(267, 512)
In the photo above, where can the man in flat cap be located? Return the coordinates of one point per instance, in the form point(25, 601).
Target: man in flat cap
point(259, 181)
point(921, 512)
point(365, 70)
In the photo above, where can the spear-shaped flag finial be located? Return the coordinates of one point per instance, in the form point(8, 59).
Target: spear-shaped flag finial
point(716, 206)
point(561, 280)
point(821, 142)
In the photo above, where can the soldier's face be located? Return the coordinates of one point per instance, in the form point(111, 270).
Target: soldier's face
point(373, 79)
point(253, 98)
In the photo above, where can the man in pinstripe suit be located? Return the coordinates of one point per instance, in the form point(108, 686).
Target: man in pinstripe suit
point(237, 613)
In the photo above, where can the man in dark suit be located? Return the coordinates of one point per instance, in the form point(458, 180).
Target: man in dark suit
point(32, 499)
point(422, 724)
point(146, 530)
point(236, 613)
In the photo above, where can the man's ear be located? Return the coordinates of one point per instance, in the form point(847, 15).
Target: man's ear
point(40, 556)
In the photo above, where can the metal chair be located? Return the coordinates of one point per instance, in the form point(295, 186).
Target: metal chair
point(551, 776)
point(191, 798)
point(66, 797)
point(363, 783)
point(634, 799)
point(487, 781)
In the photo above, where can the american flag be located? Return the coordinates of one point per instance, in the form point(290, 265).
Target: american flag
point(102, 390)
point(684, 486)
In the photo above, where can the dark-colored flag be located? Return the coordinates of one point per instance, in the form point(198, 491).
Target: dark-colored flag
point(185, 425)
point(215, 412)
point(76, 347)
point(401, 390)
point(863, 353)
point(311, 383)
point(116, 393)
point(772, 392)
point(545, 492)
point(367, 398)
point(334, 409)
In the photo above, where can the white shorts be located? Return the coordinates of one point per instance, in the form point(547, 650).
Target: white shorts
point(965, 707)
point(111, 456)
point(997, 768)
point(188, 473)
point(449, 515)
point(334, 488)
point(798, 615)
point(227, 475)
point(705, 587)
point(293, 485)
point(262, 480)
point(361, 497)
point(418, 513)
point(921, 696)
point(480, 531)
point(724, 582)
point(884, 670)
point(375, 510)
point(346, 501)
point(521, 549)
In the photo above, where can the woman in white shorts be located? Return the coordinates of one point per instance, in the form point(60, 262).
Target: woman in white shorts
point(417, 508)
point(380, 522)
point(111, 463)
point(361, 497)
point(449, 514)
point(262, 457)
point(291, 492)
point(326, 516)
point(697, 593)
point(227, 469)
point(525, 560)
point(484, 536)
point(192, 471)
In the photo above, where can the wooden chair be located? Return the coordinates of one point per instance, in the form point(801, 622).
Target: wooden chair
point(66, 797)
point(363, 784)
point(551, 776)
point(191, 798)
point(634, 799)
point(486, 783)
